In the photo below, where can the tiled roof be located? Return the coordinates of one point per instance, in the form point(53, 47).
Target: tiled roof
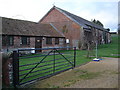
point(79, 20)
point(27, 28)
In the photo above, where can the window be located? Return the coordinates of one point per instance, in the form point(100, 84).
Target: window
point(25, 40)
point(4, 41)
point(56, 40)
point(11, 42)
point(7, 40)
point(48, 40)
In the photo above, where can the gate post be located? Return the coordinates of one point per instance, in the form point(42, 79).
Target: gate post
point(74, 56)
point(15, 69)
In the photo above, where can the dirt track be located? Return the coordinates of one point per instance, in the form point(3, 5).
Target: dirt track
point(102, 74)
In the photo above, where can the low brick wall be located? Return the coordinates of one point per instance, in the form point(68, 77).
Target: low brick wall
point(7, 72)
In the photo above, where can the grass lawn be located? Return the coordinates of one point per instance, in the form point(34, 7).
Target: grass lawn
point(47, 65)
point(46, 68)
point(110, 50)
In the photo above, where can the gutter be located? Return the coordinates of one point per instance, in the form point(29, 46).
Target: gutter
point(57, 30)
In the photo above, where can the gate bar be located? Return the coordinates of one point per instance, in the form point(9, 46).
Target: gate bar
point(54, 62)
point(35, 66)
point(64, 57)
point(74, 56)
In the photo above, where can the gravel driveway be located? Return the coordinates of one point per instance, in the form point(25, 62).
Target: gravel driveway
point(102, 74)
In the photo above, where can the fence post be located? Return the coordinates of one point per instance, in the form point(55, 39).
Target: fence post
point(15, 69)
point(74, 56)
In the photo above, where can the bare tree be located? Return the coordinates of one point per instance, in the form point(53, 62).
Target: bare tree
point(89, 43)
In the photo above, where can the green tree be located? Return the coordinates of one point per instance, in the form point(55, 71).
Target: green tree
point(97, 22)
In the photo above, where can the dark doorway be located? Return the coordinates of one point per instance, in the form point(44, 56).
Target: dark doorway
point(38, 44)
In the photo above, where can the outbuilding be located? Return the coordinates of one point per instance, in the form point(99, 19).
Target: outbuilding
point(21, 34)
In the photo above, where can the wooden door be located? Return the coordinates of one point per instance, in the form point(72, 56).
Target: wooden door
point(38, 43)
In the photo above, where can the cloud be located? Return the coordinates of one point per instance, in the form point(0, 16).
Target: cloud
point(106, 17)
point(106, 12)
point(86, 1)
point(119, 12)
point(34, 10)
point(29, 9)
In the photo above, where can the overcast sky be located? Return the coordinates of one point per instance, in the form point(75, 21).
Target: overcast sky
point(105, 11)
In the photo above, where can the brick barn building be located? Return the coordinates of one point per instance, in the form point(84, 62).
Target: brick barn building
point(19, 34)
point(58, 28)
point(77, 30)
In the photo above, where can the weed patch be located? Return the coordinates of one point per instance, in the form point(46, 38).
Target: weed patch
point(80, 71)
point(115, 72)
point(89, 75)
point(69, 82)
point(54, 86)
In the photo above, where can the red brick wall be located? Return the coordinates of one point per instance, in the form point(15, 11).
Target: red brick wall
point(70, 29)
point(59, 20)
point(54, 16)
point(61, 43)
point(74, 30)
point(32, 43)
point(17, 41)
